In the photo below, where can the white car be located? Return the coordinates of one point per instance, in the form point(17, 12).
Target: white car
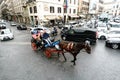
point(74, 23)
point(13, 24)
point(39, 28)
point(113, 39)
point(81, 23)
point(102, 29)
point(6, 34)
point(114, 26)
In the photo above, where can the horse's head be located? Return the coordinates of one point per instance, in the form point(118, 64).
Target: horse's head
point(87, 47)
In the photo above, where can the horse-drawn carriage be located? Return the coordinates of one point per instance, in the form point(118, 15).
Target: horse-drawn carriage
point(38, 43)
point(50, 46)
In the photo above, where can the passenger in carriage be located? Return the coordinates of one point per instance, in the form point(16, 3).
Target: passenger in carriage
point(46, 37)
point(38, 39)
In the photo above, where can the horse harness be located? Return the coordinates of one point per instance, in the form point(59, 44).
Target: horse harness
point(70, 45)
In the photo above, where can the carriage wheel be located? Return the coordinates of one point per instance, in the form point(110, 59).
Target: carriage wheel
point(34, 46)
point(47, 53)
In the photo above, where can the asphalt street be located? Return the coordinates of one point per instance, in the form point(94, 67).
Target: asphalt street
point(19, 62)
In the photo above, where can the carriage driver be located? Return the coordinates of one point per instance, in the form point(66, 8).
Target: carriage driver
point(45, 36)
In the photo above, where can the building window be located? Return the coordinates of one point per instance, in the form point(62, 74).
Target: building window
point(59, 9)
point(32, 18)
point(64, 1)
point(51, 9)
point(65, 10)
point(113, 6)
point(117, 6)
point(74, 11)
point(70, 1)
point(30, 9)
point(74, 1)
point(35, 9)
point(70, 11)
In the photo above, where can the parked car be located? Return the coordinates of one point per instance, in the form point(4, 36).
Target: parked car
point(21, 27)
point(113, 26)
point(65, 28)
point(113, 39)
point(117, 20)
point(6, 34)
point(39, 28)
point(80, 35)
point(2, 25)
point(60, 25)
point(13, 24)
point(81, 23)
point(102, 29)
point(74, 23)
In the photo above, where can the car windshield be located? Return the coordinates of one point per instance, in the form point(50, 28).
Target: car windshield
point(7, 31)
point(72, 23)
point(24, 25)
point(115, 25)
point(102, 25)
point(2, 24)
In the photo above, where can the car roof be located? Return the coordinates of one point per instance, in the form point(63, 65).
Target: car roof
point(83, 29)
point(5, 29)
point(72, 21)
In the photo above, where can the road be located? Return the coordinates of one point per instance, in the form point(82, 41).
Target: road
point(19, 62)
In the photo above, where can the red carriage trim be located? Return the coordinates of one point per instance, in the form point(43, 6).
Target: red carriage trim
point(34, 46)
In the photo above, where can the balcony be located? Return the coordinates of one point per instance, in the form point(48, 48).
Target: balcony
point(24, 5)
point(20, 14)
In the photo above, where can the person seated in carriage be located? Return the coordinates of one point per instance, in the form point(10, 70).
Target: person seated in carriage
point(46, 37)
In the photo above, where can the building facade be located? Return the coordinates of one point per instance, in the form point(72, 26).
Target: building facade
point(112, 8)
point(83, 8)
point(36, 11)
point(96, 7)
point(14, 10)
point(52, 10)
point(20, 11)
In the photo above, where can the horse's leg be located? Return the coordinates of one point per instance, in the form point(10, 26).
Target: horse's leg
point(64, 56)
point(58, 53)
point(74, 56)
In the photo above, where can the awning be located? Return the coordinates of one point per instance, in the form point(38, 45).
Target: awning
point(59, 17)
point(82, 15)
point(50, 17)
point(74, 16)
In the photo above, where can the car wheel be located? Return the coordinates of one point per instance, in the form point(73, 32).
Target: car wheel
point(6, 38)
point(102, 37)
point(64, 38)
point(114, 46)
point(106, 44)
